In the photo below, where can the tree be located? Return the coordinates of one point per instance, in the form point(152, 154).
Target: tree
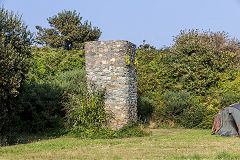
point(67, 31)
point(15, 41)
point(200, 59)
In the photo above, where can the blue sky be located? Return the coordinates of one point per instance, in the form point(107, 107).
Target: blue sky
point(156, 21)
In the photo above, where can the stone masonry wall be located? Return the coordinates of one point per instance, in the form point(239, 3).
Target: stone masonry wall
point(111, 65)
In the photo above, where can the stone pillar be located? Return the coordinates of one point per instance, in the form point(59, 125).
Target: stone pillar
point(111, 65)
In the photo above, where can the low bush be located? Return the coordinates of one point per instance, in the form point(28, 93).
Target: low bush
point(175, 103)
point(43, 102)
point(40, 107)
point(73, 82)
point(179, 108)
point(208, 116)
point(193, 116)
point(144, 108)
point(85, 114)
point(133, 129)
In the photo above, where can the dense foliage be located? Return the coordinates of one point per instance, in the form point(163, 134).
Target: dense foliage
point(42, 102)
point(203, 63)
point(53, 74)
point(15, 41)
point(39, 107)
point(200, 60)
point(86, 114)
point(48, 61)
point(67, 31)
point(182, 108)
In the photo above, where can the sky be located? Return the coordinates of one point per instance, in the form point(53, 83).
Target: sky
point(156, 21)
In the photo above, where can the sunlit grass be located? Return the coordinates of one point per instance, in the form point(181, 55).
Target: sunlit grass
point(162, 144)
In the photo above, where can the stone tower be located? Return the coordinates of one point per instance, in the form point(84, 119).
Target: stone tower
point(111, 65)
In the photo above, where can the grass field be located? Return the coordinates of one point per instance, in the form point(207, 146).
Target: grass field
point(162, 144)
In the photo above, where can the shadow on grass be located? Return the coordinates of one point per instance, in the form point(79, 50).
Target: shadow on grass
point(24, 138)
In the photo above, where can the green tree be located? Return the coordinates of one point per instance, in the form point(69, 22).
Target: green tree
point(198, 60)
point(15, 41)
point(67, 31)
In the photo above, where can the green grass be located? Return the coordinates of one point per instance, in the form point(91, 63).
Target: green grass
point(162, 144)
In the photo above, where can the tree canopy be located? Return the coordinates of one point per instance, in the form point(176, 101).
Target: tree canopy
point(67, 31)
point(15, 49)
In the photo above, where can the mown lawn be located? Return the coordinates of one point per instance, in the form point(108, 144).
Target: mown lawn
point(162, 144)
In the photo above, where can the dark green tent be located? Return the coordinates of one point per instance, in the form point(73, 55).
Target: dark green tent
point(227, 122)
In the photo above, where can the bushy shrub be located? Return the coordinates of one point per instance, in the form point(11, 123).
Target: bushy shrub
point(193, 116)
point(229, 89)
point(150, 71)
point(15, 41)
point(133, 129)
point(229, 98)
point(175, 103)
point(144, 108)
point(181, 108)
point(40, 107)
point(198, 60)
point(47, 62)
point(73, 82)
point(86, 116)
point(43, 102)
point(208, 116)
